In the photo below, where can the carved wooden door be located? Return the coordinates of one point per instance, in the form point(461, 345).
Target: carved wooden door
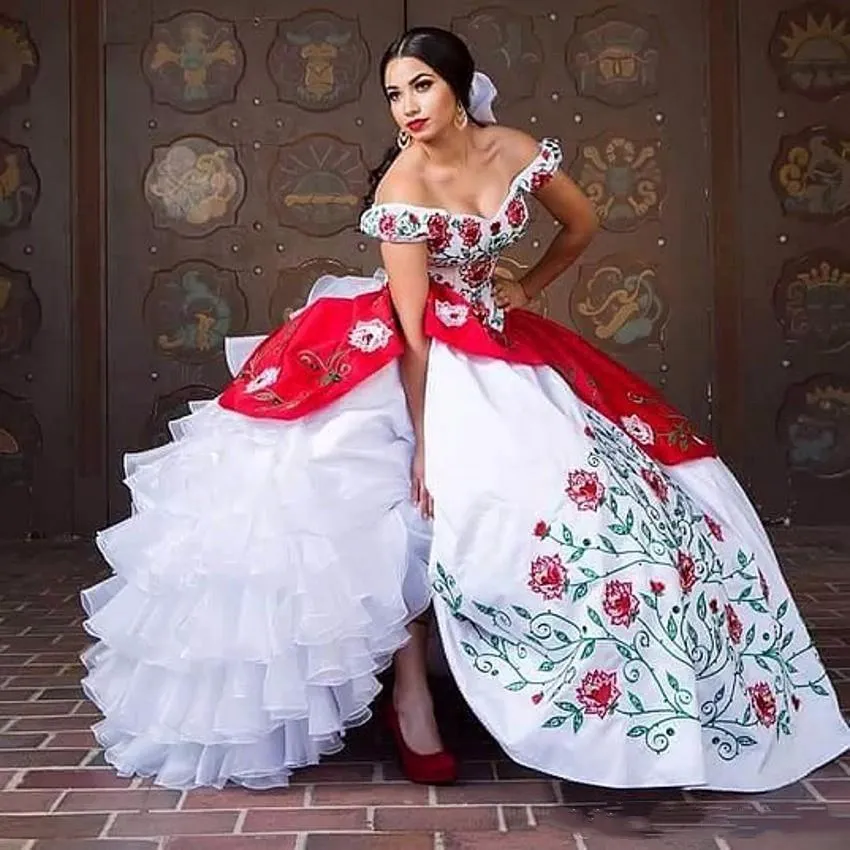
point(238, 142)
point(36, 438)
point(624, 91)
point(795, 202)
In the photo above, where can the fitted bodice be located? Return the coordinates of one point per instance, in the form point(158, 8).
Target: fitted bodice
point(464, 249)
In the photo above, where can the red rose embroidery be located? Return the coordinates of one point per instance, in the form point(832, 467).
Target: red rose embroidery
point(438, 232)
point(548, 577)
point(713, 606)
point(585, 489)
point(386, 225)
point(733, 624)
point(598, 692)
point(765, 590)
point(537, 698)
point(656, 483)
point(620, 604)
point(495, 227)
point(470, 232)
point(476, 273)
point(542, 529)
point(515, 213)
point(538, 180)
point(657, 587)
point(764, 703)
point(687, 572)
point(714, 527)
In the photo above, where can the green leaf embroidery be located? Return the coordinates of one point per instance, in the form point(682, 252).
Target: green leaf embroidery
point(580, 591)
point(636, 732)
point(672, 631)
point(516, 686)
point(555, 722)
point(588, 650)
point(635, 701)
point(607, 545)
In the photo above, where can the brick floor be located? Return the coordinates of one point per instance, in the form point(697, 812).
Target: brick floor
point(57, 794)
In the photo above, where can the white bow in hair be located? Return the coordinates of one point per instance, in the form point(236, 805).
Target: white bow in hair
point(482, 93)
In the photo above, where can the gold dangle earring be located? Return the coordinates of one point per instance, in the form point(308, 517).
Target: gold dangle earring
point(403, 139)
point(461, 116)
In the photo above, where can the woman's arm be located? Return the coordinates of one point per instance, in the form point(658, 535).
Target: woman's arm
point(570, 206)
point(406, 267)
point(407, 270)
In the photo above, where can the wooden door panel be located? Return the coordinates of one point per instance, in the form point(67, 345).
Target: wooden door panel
point(36, 436)
point(238, 142)
point(624, 92)
point(795, 135)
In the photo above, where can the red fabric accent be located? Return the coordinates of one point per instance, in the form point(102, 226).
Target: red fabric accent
point(317, 361)
point(598, 380)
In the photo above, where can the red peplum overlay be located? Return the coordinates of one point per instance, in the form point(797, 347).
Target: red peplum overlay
point(316, 358)
point(336, 343)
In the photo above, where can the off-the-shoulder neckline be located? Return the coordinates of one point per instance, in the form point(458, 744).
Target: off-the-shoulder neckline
point(509, 195)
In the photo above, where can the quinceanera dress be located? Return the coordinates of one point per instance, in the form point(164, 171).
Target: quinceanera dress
point(607, 599)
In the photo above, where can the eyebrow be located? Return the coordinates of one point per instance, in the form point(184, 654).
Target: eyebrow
point(412, 82)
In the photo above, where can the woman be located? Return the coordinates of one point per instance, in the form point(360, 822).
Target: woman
point(607, 599)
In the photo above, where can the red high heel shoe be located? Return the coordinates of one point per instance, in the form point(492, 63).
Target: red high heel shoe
point(432, 769)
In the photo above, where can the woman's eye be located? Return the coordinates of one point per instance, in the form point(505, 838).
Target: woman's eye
point(424, 85)
point(392, 96)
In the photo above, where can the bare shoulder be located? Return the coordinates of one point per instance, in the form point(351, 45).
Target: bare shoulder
point(403, 183)
point(515, 147)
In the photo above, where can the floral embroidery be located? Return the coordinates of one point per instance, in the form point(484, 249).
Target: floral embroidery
point(733, 625)
point(687, 571)
point(470, 232)
point(542, 529)
point(265, 379)
point(598, 692)
point(451, 315)
point(386, 226)
point(765, 590)
point(656, 482)
point(438, 232)
point(699, 647)
point(548, 577)
point(764, 703)
point(515, 212)
point(638, 430)
point(585, 489)
point(714, 527)
point(370, 336)
point(477, 272)
point(464, 245)
point(620, 604)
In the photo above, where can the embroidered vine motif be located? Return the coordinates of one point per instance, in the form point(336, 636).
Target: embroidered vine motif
point(636, 604)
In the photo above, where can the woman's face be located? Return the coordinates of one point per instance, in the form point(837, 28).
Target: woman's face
point(422, 102)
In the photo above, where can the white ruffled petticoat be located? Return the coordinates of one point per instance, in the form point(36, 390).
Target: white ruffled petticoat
point(269, 569)
point(266, 575)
